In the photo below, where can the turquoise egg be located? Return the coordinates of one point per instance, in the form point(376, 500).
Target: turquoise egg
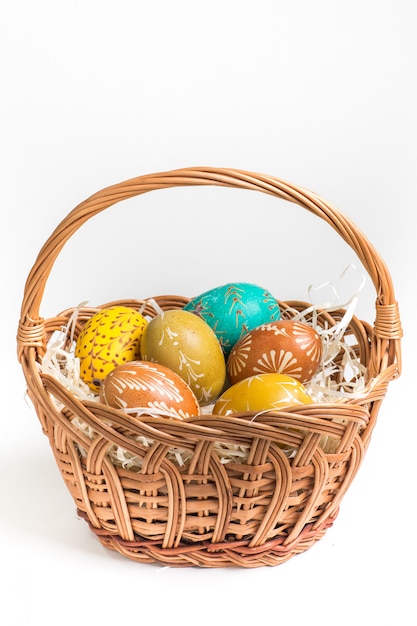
point(234, 309)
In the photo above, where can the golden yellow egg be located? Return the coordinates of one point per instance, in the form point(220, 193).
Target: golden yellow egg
point(260, 393)
point(187, 345)
point(110, 337)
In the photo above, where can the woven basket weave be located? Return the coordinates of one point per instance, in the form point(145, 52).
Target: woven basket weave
point(261, 511)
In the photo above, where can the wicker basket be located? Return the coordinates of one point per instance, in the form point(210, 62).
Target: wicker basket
point(261, 511)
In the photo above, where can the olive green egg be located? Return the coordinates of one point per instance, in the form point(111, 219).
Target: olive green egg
point(187, 345)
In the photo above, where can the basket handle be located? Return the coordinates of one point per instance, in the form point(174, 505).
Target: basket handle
point(387, 325)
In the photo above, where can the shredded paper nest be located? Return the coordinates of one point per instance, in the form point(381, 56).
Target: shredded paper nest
point(60, 362)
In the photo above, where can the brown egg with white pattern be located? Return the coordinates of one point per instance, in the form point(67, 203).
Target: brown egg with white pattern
point(287, 347)
point(140, 387)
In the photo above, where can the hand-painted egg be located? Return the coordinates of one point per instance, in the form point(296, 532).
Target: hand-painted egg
point(187, 345)
point(261, 393)
point(232, 310)
point(286, 346)
point(110, 337)
point(148, 387)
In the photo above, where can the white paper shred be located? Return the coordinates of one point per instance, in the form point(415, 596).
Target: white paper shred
point(61, 363)
point(322, 387)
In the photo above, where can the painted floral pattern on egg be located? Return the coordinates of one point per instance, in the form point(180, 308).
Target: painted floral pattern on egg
point(234, 309)
point(286, 346)
point(139, 386)
point(110, 337)
point(262, 392)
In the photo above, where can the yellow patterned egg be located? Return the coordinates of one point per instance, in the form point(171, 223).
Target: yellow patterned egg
point(260, 393)
point(187, 345)
point(110, 337)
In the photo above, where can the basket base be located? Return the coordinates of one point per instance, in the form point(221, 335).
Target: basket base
point(206, 554)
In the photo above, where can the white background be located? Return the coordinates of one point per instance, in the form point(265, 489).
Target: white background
point(317, 93)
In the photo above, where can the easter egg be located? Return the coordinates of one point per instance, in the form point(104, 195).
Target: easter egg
point(148, 387)
point(260, 393)
point(233, 309)
point(184, 342)
point(110, 337)
point(286, 346)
